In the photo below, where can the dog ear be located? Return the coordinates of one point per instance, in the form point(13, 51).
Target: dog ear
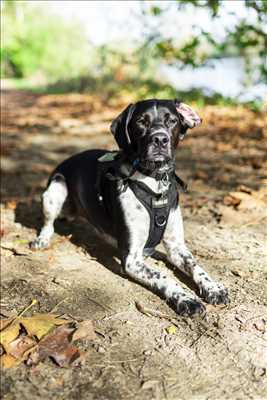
point(188, 117)
point(119, 128)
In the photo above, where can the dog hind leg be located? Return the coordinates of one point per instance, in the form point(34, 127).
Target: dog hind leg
point(52, 199)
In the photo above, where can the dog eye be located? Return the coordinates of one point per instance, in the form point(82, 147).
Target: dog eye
point(170, 121)
point(143, 121)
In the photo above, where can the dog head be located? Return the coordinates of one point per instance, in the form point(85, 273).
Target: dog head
point(151, 129)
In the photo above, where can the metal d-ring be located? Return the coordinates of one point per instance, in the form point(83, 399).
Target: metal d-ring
point(158, 223)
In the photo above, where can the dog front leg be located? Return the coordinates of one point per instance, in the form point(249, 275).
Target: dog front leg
point(182, 301)
point(179, 255)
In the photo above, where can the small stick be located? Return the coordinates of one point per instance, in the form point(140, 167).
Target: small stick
point(34, 301)
point(58, 304)
point(154, 313)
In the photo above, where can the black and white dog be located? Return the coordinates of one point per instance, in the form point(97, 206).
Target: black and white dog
point(131, 197)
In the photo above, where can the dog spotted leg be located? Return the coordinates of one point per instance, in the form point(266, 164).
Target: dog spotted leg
point(179, 299)
point(178, 254)
point(53, 200)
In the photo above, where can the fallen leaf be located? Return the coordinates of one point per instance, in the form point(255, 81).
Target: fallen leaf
point(7, 361)
point(201, 175)
point(171, 329)
point(21, 241)
point(9, 334)
point(238, 273)
point(85, 330)
point(65, 356)
point(40, 324)
point(245, 189)
point(56, 345)
point(231, 201)
point(19, 346)
point(4, 322)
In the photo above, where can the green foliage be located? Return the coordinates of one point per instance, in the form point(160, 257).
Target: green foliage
point(245, 39)
point(35, 41)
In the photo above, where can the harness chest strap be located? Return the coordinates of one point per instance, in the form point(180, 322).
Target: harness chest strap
point(158, 207)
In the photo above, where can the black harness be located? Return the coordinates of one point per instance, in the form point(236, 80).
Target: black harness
point(113, 179)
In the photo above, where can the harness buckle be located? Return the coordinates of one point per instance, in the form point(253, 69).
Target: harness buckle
point(159, 203)
point(160, 220)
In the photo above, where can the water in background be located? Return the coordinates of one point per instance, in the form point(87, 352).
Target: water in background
point(226, 76)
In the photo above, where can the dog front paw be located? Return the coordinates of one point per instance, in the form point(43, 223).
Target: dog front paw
point(215, 293)
point(39, 243)
point(188, 306)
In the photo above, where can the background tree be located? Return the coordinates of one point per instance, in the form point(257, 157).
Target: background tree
point(246, 38)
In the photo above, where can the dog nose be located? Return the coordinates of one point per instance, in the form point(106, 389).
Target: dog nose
point(160, 139)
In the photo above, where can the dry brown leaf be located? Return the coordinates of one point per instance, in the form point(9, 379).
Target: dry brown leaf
point(85, 330)
point(18, 347)
point(201, 175)
point(56, 345)
point(245, 189)
point(65, 356)
point(231, 201)
point(248, 201)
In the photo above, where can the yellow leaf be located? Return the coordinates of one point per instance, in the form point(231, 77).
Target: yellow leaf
point(40, 324)
point(171, 329)
point(9, 334)
point(5, 321)
point(7, 361)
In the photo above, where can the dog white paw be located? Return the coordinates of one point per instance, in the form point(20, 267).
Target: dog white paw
point(188, 306)
point(39, 243)
point(215, 293)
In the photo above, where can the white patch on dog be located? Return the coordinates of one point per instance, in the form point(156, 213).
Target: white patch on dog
point(155, 110)
point(53, 200)
point(136, 217)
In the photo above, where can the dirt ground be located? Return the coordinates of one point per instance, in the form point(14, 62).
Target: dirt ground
point(221, 356)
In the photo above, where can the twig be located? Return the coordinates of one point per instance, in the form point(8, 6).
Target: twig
point(153, 313)
point(14, 251)
point(56, 306)
point(106, 308)
point(34, 301)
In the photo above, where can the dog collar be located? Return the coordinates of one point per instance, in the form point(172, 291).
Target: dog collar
point(162, 177)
